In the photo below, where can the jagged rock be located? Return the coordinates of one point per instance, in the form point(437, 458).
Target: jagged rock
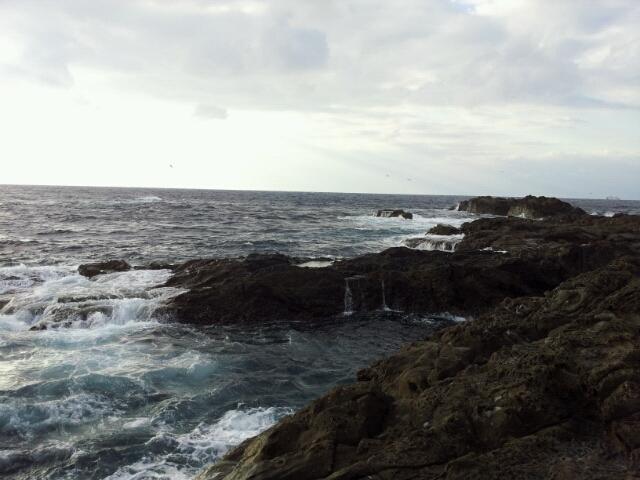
point(486, 205)
point(260, 287)
point(528, 207)
point(540, 387)
point(519, 236)
point(267, 288)
point(387, 213)
point(442, 229)
point(540, 255)
point(92, 269)
point(156, 266)
point(542, 207)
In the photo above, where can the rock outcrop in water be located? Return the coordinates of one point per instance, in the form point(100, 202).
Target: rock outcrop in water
point(527, 207)
point(544, 383)
point(389, 213)
point(90, 270)
point(474, 278)
point(540, 387)
point(443, 229)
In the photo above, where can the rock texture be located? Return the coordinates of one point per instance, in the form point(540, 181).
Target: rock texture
point(92, 269)
point(541, 387)
point(387, 213)
point(543, 384)
point(443, 229)
point(474, 278)
point(528, 207)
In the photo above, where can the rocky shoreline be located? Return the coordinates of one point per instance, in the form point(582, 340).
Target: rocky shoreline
point(544, 382)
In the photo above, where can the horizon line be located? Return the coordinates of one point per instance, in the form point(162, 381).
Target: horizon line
point(308, 191)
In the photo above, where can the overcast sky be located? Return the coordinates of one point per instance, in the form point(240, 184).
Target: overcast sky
point(407, 96)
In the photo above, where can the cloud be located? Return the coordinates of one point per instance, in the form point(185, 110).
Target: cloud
point(301, 55)
point(453, 85)
point(210, 111)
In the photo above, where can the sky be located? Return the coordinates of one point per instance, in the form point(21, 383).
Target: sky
point(503, 97)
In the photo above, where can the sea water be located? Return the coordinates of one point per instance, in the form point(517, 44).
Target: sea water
point(118, 393)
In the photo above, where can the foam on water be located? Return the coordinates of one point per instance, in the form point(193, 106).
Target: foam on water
point(419, 222)
point(445, 243)
point(53, 296)
point(27, 420)
point(203, 445)
point(120, 394)
point(148, 199)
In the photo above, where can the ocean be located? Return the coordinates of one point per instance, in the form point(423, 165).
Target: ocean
point(122, 395)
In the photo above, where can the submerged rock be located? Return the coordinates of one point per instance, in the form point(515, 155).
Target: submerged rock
point(92, 269)
point(388, 213)
point(528, 207)
point(539, 387)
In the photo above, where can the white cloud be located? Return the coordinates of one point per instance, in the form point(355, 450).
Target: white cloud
point(210, 111)
point(454, 86)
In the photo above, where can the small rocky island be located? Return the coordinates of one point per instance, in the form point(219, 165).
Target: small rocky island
point(391, 213)
point(541, 381)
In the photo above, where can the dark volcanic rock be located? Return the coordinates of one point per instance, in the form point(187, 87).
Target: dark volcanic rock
point(442, 229)
point(387, 213)
point(268, 287)
point(539, 387)
point(527, 207)
point(486, 205)
point(260, 287)
point(540, 255)
point(92, 269)
point(620, 234)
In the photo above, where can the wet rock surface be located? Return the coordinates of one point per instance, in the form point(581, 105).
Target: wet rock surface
point(443, 229)
point(539, 255)
point(390, 213)
point(541, 386)
point(543, 383)
point(528, 207)
point(90, 270)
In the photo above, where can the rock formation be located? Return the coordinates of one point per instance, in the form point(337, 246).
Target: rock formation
point(543, 383)
point(527, 207)
point(474, 278)
point(92, 269)
point(540, 387)
point(388, 213)
point(442, 229)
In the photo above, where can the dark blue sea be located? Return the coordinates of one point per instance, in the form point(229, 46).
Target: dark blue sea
point(121, 395)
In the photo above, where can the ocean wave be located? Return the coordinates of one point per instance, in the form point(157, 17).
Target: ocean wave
point(17, 241)
point(61, 231)
point(148, 199)
point(199, 447)
point(20, 277)
point(12, 460)
point(27, 419)
point(430, 242)
point(56, 296)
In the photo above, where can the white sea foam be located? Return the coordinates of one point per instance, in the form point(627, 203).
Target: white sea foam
point(491, 249)
point(148, 199)
point(445, 243)
point(316, 264)
point(201, 446)
point(58, 295)
point(419, 222)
